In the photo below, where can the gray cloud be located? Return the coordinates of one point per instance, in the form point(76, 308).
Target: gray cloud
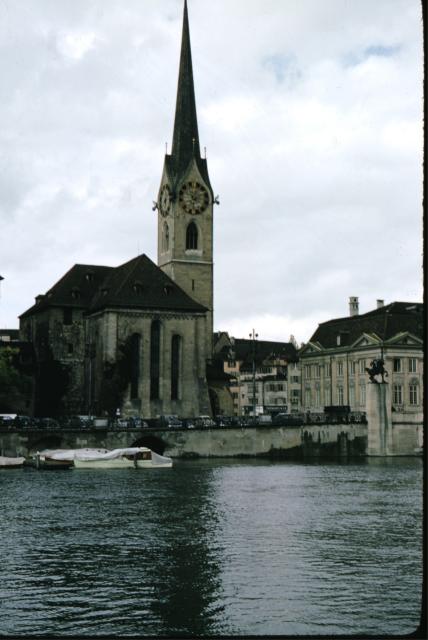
point(311, 113)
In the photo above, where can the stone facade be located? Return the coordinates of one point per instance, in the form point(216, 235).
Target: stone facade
point(333, 363)
point(140, 335)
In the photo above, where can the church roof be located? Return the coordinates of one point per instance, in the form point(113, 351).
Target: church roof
point(185, 142)
point(385, 322)
point(75, 289)
point(141, 284)
point(138, 284)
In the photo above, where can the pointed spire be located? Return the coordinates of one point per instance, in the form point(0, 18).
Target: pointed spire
point(185, 138)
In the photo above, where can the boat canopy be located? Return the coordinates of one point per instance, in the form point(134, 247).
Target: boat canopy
point(109, 455)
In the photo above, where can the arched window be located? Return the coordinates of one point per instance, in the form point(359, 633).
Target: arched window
point(135, 364)
point(154, 359)
point(165, 237)
point(192, 236)
point(175, 366)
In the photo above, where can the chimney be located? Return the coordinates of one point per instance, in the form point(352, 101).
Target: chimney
point(380, 304)
point(353, 306)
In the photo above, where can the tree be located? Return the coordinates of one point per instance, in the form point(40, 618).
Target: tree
point(15, 386)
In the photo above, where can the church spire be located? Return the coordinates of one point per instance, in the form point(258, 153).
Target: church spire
point(185, 142)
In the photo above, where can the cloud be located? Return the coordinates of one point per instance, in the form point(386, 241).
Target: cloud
point(311, 113)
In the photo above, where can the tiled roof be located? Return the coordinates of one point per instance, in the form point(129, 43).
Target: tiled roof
point(75, 289)
point(138, 284)
point(141, 284)
point(266, 351)
point(385, 322)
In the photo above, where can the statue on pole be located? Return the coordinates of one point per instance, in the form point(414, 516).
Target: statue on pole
point(377, 369)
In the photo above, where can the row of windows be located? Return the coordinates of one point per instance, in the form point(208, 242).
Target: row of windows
point(359, 366)
point(135, 363)
point(398, 395)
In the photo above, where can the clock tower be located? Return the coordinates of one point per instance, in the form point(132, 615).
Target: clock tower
point(185, 200)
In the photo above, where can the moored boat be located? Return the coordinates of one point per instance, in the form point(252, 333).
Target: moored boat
point(11, 463)
point(61, 458)
point(138, 457)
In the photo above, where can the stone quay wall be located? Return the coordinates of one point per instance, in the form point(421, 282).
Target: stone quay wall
point(327, 440)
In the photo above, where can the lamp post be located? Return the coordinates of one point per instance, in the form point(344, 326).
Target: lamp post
point(253, 337)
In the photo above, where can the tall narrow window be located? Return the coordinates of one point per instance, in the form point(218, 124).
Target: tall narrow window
point(413, 394)
point(165, 237)
point(398, 394)
point(192, 236)
point(135, 364)
point(175, 366)
point(154, 359)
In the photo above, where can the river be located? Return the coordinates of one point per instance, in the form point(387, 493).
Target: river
point(213, 547)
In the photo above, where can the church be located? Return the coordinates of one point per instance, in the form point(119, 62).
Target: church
point(138, 337)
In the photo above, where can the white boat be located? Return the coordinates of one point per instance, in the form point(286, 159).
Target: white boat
point(11, 463)
point(62, 458)
point(138, 457)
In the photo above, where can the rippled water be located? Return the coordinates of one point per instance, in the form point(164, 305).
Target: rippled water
point(213, 548)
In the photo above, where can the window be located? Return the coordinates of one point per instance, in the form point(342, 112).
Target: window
point(352, 395)
point(317, 397)
point(307, 397)
point(362, 393)
point(307, 371)
point(397, 365)
point(413, 366)
point(340, 369)
point(362, 366)
point(398, 394)
point(328, 370)
point(295, 379)
point(353, 368)
point(413, 394)
point(165, 238)
point(135, 364)
point(175, 366)
point(192, 236)
point(154, 359)
point(70, 348)
point(340, 395)
point(67, 315)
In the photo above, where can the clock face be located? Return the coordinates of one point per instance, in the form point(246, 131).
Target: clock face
point(193, 197)
point(165, 200)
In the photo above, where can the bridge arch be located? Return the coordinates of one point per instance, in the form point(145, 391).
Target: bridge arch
point(152, 442)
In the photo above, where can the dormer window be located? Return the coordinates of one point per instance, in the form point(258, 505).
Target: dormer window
point(137, 287)
point(104, 291)
point(167, 289)
point(75, 293)
point(89, 276)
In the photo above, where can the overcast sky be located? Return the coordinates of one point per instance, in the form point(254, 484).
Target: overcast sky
point(311, 113)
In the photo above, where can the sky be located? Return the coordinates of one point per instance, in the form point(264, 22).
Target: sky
point(311, 115)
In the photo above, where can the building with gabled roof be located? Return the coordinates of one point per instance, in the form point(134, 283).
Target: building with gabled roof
point(138, 337)
point(264, 374)
point(334, 361)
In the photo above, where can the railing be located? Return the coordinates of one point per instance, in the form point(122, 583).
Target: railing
point(223, 422)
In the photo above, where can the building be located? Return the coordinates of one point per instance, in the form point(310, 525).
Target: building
point(138, 337)
point(265, 375)
point(334, 361)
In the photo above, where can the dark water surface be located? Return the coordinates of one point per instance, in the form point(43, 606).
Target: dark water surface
point(213, 548)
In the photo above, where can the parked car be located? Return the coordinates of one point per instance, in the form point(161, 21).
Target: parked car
point(205, 421)
point(22, 421)
point(47, 423)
